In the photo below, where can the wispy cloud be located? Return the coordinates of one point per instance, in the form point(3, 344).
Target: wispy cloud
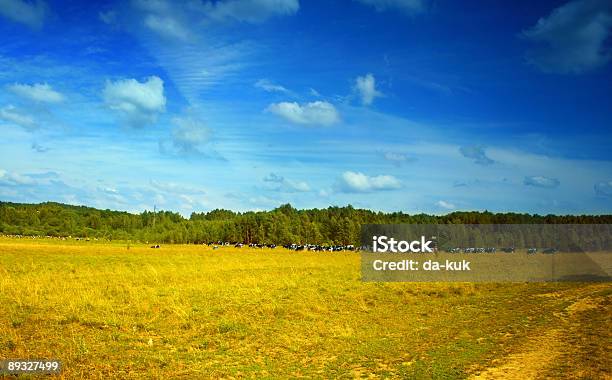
point(541, 181)
point(572, 39)
point(269, 86)
point(253, 11)
point(189, 134)
point(39, 148)
point(195, 68)
point(406, 6)
point(477, 153)
point(17, 117)
point(108, 17)
point(31, 14)
point(603, 189)
point(445, 205)
point(10, 179)
point(166, 26)
point(164, 18)
point(286, 185)
point(175, 188)
point(182, 20)
point(397, 158)
point(38, 92)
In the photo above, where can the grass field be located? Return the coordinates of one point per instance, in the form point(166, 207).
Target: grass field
point(192, 312)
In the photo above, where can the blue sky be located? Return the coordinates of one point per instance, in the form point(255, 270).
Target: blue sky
point(411, 105)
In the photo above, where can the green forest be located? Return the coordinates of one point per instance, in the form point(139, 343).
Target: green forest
point(283, 225)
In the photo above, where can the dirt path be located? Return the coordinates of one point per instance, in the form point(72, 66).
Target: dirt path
point(540, 352)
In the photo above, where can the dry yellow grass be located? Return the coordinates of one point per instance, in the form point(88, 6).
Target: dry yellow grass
point(192, 312)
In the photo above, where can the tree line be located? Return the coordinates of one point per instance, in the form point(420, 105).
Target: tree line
point(283, 225)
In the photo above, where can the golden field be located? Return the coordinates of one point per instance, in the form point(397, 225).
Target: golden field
point(186, 311)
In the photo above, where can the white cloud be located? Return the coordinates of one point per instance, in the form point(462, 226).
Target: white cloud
point(189, 134)
point(365, 86)
point(541, 181)
point(287, 185)
point(319, 112)
point(140, 103)
point(38, 92)
point(355, 182)
point(12, 115)
point(298, 185)
point(445, 205)
point(31, 14)
point(166, 26)
point(406, 6)
point(268, 86)
point(252, 11)
point(572, 39)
